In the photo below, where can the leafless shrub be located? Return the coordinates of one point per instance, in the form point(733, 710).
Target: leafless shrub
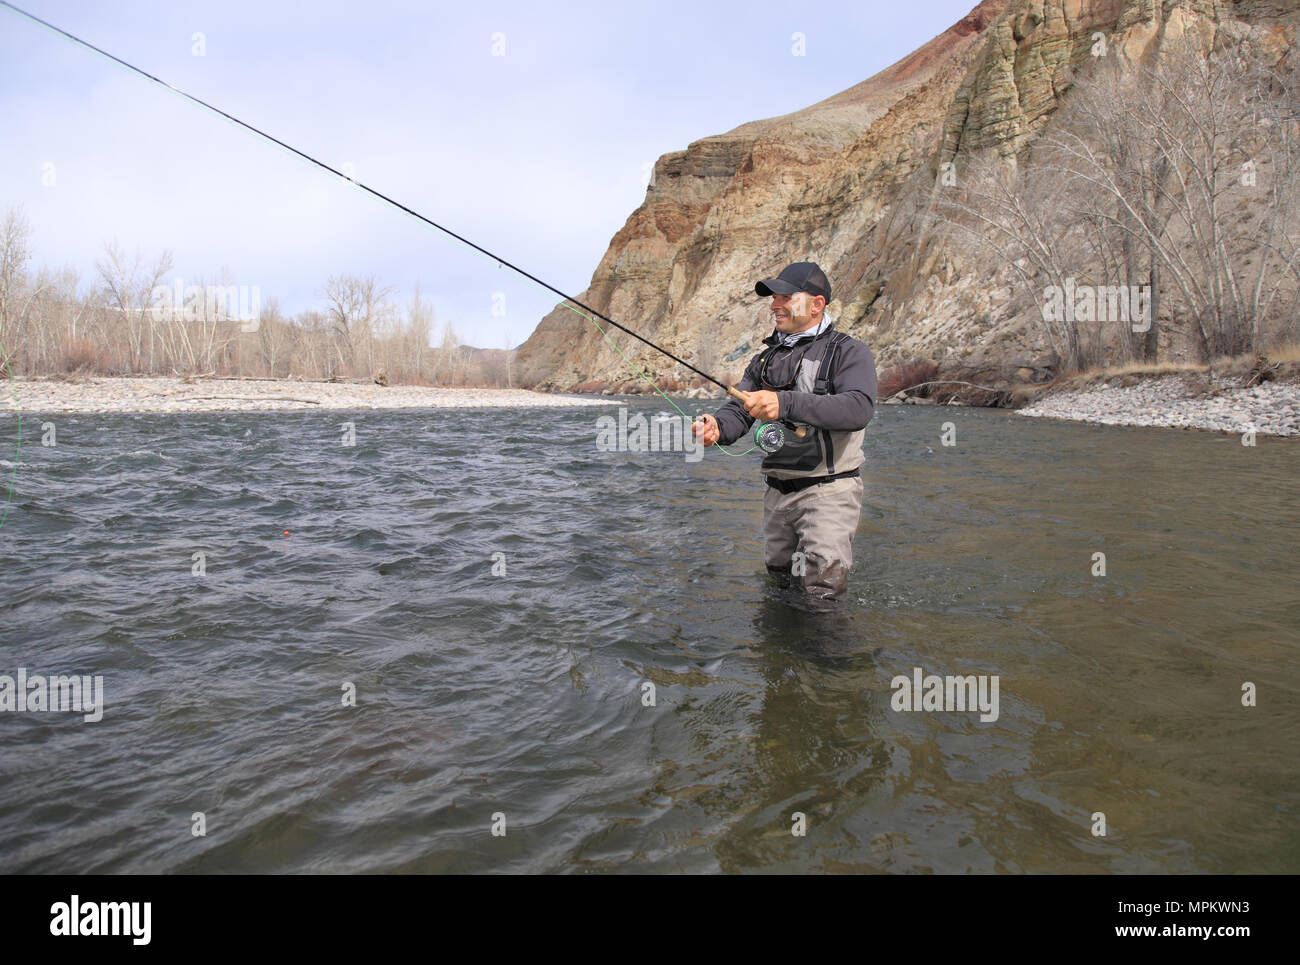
point(905, 375)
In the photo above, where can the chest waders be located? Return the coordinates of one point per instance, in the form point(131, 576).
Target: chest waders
point(771, 436)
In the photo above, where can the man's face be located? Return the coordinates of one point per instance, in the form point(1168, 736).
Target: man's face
point(797, 312)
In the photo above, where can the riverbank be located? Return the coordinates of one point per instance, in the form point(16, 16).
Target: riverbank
point(1186, 400)
point(1183, 399)
point(240, 395)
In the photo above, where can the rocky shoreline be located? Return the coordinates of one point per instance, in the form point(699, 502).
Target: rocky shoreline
point(239, 395)
point(1194, 400)
point(1189, 400)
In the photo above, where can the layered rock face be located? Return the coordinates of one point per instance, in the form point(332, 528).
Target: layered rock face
point(839, 183)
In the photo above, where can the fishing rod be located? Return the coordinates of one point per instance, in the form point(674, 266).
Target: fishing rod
point(769, 431)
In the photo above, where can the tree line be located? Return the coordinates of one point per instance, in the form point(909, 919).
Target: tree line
point(129, 320)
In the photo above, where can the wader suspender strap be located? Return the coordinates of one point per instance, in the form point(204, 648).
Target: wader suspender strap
point(825, 384)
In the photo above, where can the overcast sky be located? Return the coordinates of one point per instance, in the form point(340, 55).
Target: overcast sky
point(538, 151)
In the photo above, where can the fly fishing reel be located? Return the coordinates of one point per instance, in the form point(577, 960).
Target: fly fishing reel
point(769, 436)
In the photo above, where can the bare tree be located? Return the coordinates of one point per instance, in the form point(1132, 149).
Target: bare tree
point(129, 286)
point(318, 358)
point(354, 306)
point(15, 252)
point(1015, 212)
point(275, 340)
point(419, 322)
point(1192, 160)
point(447, 368)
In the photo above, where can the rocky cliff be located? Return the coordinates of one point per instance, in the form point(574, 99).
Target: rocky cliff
point(840, 183)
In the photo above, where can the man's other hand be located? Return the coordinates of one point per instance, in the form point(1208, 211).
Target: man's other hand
point(706, 429)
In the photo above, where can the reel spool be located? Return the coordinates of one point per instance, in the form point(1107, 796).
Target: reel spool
point(769, 436)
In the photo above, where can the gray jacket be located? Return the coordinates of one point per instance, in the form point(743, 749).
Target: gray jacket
point(837, 421)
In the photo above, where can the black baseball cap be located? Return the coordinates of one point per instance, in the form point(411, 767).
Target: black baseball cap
point(802, 276)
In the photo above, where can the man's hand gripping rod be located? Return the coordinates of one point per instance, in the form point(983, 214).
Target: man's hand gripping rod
point(743, 399)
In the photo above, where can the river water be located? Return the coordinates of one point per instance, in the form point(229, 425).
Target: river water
point(498, 594)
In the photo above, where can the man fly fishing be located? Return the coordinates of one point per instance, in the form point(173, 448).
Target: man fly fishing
point(810, 376)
